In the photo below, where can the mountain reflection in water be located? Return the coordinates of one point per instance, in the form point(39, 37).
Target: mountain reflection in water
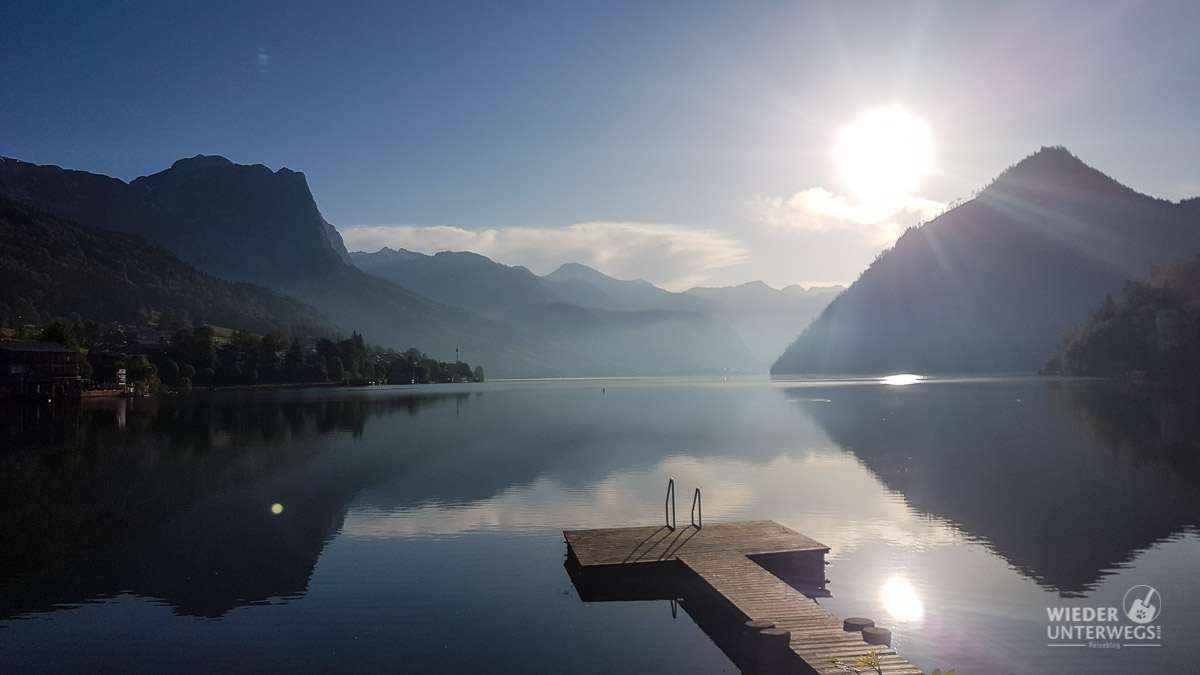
point(1065, 480)
point(170, 497)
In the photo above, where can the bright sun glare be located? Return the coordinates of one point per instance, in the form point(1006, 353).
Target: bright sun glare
point(902, 380)
point(901, 601)
point(884, 153)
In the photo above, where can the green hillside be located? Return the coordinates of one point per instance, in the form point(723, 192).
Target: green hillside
point(54, 267)
point(1153, 328)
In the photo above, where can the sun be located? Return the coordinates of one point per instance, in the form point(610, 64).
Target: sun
point(884, 154)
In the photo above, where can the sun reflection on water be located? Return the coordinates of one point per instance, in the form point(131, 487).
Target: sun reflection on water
point(902, 379)
point(901, 601)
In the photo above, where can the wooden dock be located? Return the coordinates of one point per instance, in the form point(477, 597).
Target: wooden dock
point(725, 575)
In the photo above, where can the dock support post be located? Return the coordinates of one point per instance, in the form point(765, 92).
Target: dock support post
point(856, 624)
point(774, 646)
point(874, 635)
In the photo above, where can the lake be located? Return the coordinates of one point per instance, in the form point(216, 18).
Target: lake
point(419, 529)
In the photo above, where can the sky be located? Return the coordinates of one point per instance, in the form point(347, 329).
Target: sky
point(685, 143)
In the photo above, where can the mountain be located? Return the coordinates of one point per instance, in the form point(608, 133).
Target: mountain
point(613, 341)
point(647, 342)
point(765, 319)
point(992, 285)
point(242, 223)
point(363, 259)
point(762, 318)
point(465, 280)
point(247, 223)
point(60, 268)
point(622, 322)
point(757, 298)
point(228, 216)
point(586, 287)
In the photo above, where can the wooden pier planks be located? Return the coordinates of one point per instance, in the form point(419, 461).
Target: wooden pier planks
point(632, 545)
point(816, 635)
point(717, 556)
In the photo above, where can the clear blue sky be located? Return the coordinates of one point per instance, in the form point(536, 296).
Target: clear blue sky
point(677, 142)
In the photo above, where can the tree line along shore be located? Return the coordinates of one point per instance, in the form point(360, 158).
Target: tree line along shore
point(154, 360)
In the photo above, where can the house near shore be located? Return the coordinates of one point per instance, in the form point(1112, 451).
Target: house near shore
point(29, 368)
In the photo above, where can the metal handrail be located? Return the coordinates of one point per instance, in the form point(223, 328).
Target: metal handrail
point(697, 509)
point(670, 516)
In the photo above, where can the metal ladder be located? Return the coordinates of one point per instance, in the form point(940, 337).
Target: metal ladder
point(669, 507)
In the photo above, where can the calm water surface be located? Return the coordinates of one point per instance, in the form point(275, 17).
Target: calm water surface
point(410, 529)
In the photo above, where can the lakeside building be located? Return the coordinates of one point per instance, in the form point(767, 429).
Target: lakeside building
point(31, 368)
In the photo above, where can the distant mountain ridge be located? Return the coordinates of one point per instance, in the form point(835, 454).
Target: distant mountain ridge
point(644, 342)
point(582, 285)
point(992, 285)
point(634, 323)
point(460, 279)
point(766, 319)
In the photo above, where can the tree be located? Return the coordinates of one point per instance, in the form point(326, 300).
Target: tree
point(174, 319)
point(141, 374)
point(194, 348)
point(170, 373)
point(1152, 330)
point(90, 334)
point(354, 355)
point(437, 371)
point(292, 361)
point(60, 333)
point(268, 357)
point(327, 349)
point(337, 371)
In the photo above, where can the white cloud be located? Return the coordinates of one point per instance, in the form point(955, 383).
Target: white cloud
point(669, 256)
point(814, 234)
point(818, 210)
point(264, 61)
